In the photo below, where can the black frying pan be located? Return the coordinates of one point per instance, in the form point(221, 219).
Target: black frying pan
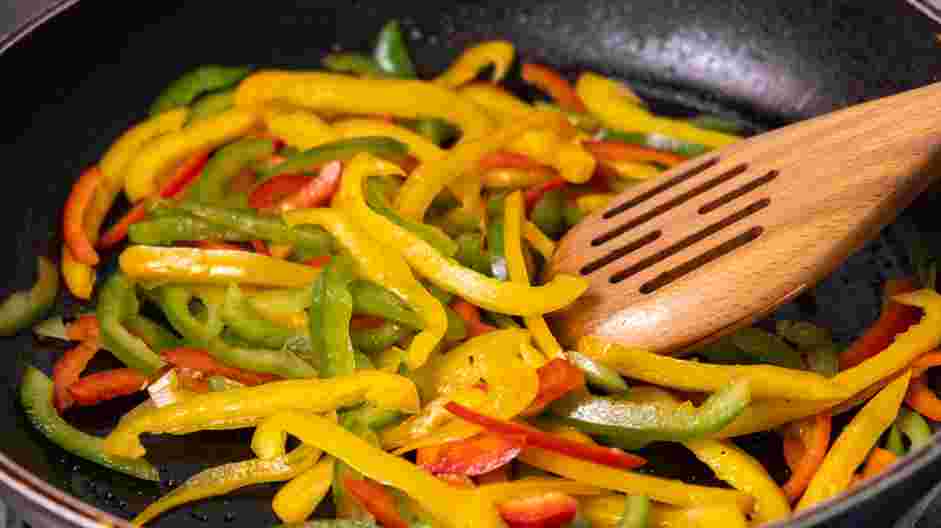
point(73, 83)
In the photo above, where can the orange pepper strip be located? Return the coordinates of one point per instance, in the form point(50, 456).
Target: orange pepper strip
point(85, 327)
point(67, 370)
point(107, 385)
point(555, 85)
point(620, 151)
point(816, 439)
point(377, 501)
point(117, 232)
point(557, 378)
point(877, 462)
point(895, 319)
point(471, 316)
point(926, 361)
point(200, 360)
point(73, 219)
point(924, 400)
point(502, 159)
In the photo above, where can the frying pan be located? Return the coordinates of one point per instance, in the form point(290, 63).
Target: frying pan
point(79, 73)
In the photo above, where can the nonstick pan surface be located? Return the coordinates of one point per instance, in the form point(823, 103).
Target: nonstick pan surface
point(75, 82)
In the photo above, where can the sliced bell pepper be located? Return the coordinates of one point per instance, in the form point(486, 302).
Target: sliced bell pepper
point(391, 52)
point(636, 512)
point(533, 195)
point(473, 456)
point(116, 302)
point(610, 101)
point(298, 127)
point(200, 360)
point(281, 362)
point(36, 399)
point(316, 193)
point(168, 230)
point(496, 53)
point(373, 340)
point(597, 374)
point(376, 199)
point(268, 195)
point(211, 104)
point(297, 500)
point(615, 151)
point(555, 85)
point(923, 399)
point(551, 510)
point(592, 202)
point(377, 501)
point(510, 178)
point(73, 218)
point(192, 84)
point(893, 441)
point(372, 299)
point(557, 378)
point(191, 265)
point(915, 428)
point(423, 149)
point(226, 478)
point(895, 318)
point(485, 292)
point(878, 461)
point(153, 334)
point(107, 385)
point(82, 328)
point(383, 267)
point(854, 443)
point(471, 316)
point(504, 159)
point(496, 102)
point(766, 381)
point(79, 278)
point(243, 320)
point(185, 175)
point(556, 147)
point(23, 308)
point(815, 438)
point(175, 301)
point(340, 150)
point(329, 320)
point(213, 184)
point(352, 62)
point(67, 370)
point(119, 230)
point(546, 213)
point(248, 406)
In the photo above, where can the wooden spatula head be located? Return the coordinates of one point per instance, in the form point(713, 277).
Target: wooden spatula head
point(722, 240)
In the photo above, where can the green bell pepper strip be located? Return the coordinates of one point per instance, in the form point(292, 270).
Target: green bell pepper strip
point(636, 512)
point(221, 383)
point(500, 320)
point(21, 309)
point(212, 185)
point(244, 321)
point(496, 204)
point(391, 52)
point(765, 347)
point(803, 334)
point(36, 399)
point(598, 375)
point(656, 141)
point(210, 105)
point(470, 253)
point(174, 301)
point(271, 229)
point(719, 124)
point(572, 215)
point(330, 314)
point(495, 250)
point(344, 149)
point(547, 213)
point(378, 202)
point(893, 441)
point(632, 425)
point(457, 329)
point(915, 428)
point(281, 362)
point(371, 340)
point(155, 335)
point(362, 361)
point(438, 131)
point(192, 84)
point(444, 297)
point(117, 300)
point(353, 62)
point(345, 505)
point(168, 230)
point(375, 418)
point(824, 360)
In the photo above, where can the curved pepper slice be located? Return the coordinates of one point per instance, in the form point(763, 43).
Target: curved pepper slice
point(36, 399)
point(391, 52)
point(117, 301)
point(223, 479)
point(298, 127)
point(376, 263)
point(280, 362)
point(498, 103)
point(298, 499)
point(22, 308)
point(73, 218)
point(212, 184)
point(347, 95)
point(767, 381)
point(609, 100)
point(213, 266)
point(248, 406)
point(342, 149)
point(496, 53)
point(549, 81)
point(851, 447)
point(150, 165)
point(488, 293)
point(418, 146)
point(190, 85)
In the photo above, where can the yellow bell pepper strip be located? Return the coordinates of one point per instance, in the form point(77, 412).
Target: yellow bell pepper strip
point(538, 240)
point(418, 146)
point(212, 266)
point(744, 473)
point(376, 263)
point(145, 171)
point(854, 443)
point(496, 53)
point(79, 278)
point(592, 202)
point(498, 103)
point(631, 170)
point(430, 178)
point(606, 511)
point(606, 99)
point(557, 149)
point(513, 250)
point(248, 406)
point(23, 308)
point(659, 489)
point(348, 95)
point(223, 479)
point(297, 500)
point(767, 381)
point(512, 177)
point(488, 293)
point(298, 127)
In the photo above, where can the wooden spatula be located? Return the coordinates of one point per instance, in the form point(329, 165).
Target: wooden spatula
point(720, 241)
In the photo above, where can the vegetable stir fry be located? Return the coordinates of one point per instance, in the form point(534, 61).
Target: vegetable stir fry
point(352, 256)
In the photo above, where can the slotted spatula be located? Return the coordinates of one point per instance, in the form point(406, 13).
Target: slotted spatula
point(722, 240)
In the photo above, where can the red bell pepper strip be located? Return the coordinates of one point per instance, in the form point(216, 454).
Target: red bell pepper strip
point(551, 510)
point(556, 379)
point(260, 247)
point(107, 385)
point(73, 219)
point(534, 437)
point(457, 480)
point(200, 360)
point(504, 159)
point(270, 193)
point(318, 191)
point(923, 399)
point(501, 474)
point(318, 262)
point(85, 327)
point(472, 456)
point(555, 85)
point(471, 316)
point(117, 232)
point(377, 501)
point(895, 319)
point(534, 194)
point(68, 369)
point(621, 151)
point(816, 441)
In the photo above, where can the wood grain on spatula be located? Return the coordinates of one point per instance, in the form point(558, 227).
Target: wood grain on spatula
point(720, 241)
